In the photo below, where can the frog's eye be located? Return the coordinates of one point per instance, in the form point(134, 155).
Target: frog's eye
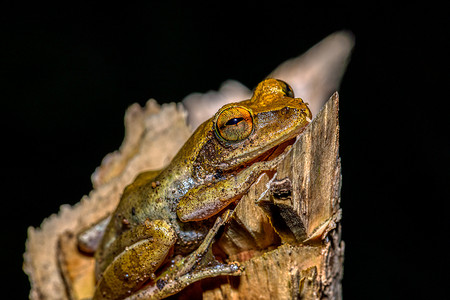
point(234, 124)
point(286, 88)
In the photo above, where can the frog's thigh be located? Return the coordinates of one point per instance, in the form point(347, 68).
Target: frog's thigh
point(135, 265)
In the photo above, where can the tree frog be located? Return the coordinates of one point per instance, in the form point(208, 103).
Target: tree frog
point(177, 212)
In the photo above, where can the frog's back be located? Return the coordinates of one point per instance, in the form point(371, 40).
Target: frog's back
point(140, 201)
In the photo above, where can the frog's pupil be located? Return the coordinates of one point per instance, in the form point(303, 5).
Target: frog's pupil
point(234, 121)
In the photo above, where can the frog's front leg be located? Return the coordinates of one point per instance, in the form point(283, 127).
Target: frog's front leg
point(198, 265)
point(205, 201)
point(129, 267)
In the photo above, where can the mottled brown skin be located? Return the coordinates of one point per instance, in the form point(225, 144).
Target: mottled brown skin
point(165, 213)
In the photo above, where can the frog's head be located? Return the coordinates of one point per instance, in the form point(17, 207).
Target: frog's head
point(256, 129)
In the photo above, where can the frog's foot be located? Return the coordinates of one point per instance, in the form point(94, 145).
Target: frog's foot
point(198, 265)
point(163, 288)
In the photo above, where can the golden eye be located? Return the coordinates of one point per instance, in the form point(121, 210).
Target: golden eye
point(286, 88)
point(234, 124)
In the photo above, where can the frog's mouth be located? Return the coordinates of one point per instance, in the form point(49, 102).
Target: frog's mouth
point(275, 151)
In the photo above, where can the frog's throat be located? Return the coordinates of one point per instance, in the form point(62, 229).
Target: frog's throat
point(267, 155)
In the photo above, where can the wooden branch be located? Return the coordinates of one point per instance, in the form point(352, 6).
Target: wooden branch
point(285, 231)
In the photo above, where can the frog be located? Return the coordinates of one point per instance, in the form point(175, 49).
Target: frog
point(158, 240)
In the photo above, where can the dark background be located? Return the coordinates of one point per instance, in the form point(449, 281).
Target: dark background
point(69, 72)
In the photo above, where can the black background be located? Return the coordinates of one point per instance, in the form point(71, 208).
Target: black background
point(70, 71)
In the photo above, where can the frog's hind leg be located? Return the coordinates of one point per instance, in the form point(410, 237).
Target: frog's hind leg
point(198, 265)
point(132, 264)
